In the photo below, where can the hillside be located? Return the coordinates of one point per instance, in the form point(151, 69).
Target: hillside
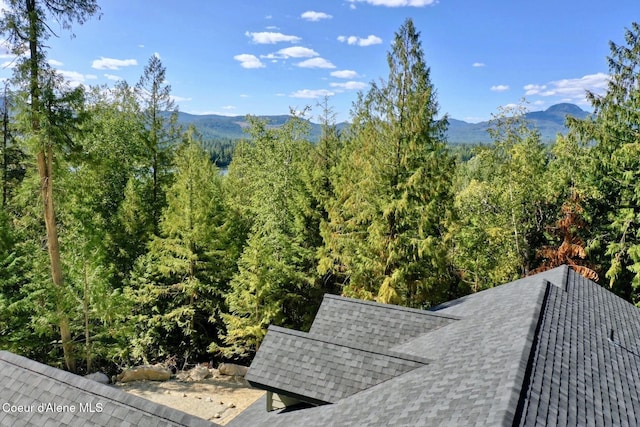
point(549, 122)
point(213, 126)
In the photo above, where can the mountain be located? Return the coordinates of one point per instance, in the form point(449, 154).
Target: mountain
point(213, 126)
point(549, 122)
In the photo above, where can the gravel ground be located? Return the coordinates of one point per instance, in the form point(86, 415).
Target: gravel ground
point(218, 399)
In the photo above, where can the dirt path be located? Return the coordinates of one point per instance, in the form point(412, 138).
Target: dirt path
point(216, 399)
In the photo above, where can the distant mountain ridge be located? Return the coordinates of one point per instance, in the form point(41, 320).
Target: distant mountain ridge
point(549, 122)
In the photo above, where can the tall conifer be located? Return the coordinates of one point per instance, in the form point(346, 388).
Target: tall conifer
point(387, 236)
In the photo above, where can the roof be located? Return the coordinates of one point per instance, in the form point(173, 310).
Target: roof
point(373, 324)
point(33, 394)
point(549, 349)
point(347, 367)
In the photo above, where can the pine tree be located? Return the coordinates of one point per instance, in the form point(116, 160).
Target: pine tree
point(179, 285)
point(113, 150)
point(387, 235)
point(615, 164)
point(25, 26)
point(160, 133)
point(276, 270)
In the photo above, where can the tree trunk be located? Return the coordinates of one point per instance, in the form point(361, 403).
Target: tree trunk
point(45, 165)
point(44, 159)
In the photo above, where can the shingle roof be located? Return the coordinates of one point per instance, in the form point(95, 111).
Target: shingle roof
point(585, 370)
point(33, 394)
point(374, 324)
point(537, 351)
point(320, 369)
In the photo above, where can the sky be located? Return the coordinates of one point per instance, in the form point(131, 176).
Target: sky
point(265, 57)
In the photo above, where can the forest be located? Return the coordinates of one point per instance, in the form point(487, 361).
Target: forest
point(122, 243)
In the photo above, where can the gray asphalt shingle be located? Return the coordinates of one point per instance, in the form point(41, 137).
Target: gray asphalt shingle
point(33, 394)
point(382, 325)
point(537, 351)
point(320, 369)
point(586, 366)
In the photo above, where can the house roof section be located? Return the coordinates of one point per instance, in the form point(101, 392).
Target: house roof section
point(51, 397)
point(382, 325)
point(549, 349)
point(586, 367)
point(319, 369)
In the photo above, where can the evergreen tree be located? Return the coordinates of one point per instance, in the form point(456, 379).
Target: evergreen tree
point(387, 235)
point(25, 26)
point(179, 285)
point(502, 204)
point(275, 281)
point(113, 150)
point(160, 134)
point(615, 164)
point(12, 155)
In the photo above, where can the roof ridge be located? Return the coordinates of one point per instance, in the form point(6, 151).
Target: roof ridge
point(565, 277)
point(392, 307)
point(351, 344)
point(100, 390)
point(528, 356)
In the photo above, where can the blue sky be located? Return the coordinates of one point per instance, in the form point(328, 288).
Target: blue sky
point(265, 56)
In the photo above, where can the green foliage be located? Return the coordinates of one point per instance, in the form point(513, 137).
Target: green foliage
point(220, 150)
point(274, 283)
point(160, 254)
point(179, 285)
point(614, 164)
point(502, 204)
point(393, 186)
point(159, 134)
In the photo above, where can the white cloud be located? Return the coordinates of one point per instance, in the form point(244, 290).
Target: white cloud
point(534, 89)
point(479, 64)
point(316, 63)
point(353, 40)
point(510, 107)
point(311, 93)
point(350, 85)
point(8, 64)
point(229, 107)
point(344, 74)
point(112, 64)
point(268, 37)
point(499, 88)
point(75, 78)
point(141, 46)
point(397, 3)
point(249, 61)
point(574, 88)
point(571, 90)
point(55, 63)
point(293, 52)
point(175, 98)
point(315, 16)
point(113, 77)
